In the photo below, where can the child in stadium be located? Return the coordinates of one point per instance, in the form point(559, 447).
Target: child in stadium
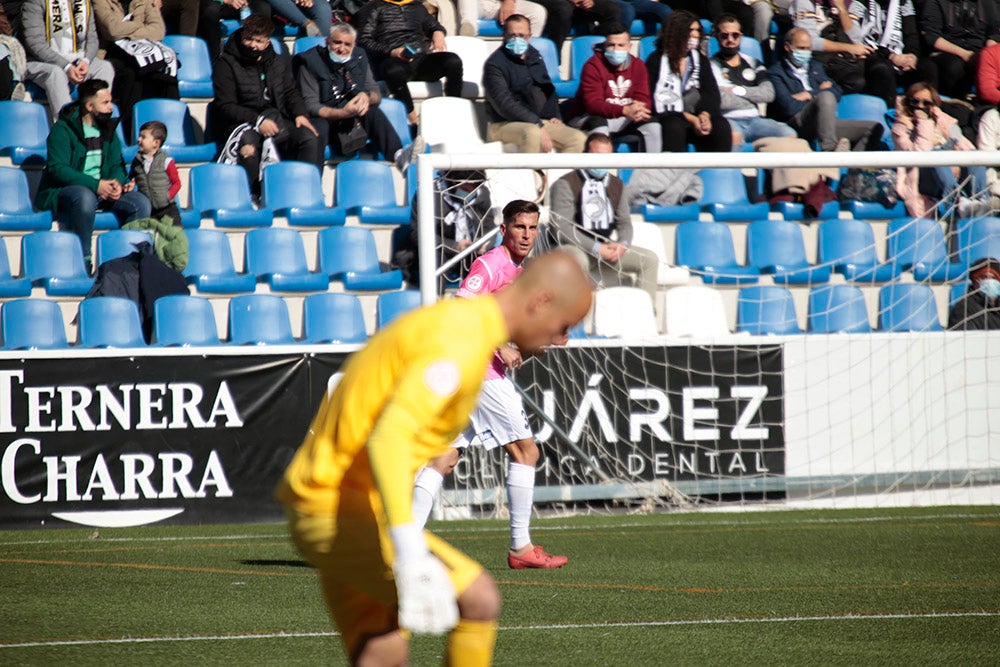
point(154, 173)
point(499, 417)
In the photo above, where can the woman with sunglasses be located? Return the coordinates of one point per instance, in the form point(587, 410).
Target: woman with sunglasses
point(921, 125)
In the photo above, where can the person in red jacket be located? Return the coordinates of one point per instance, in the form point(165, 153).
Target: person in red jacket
point(613, 97)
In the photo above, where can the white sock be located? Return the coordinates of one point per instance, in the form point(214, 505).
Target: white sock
point(520, 495)
point(425, 489)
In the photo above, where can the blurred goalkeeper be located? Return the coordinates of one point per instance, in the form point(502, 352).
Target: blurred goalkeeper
point(499, 418)
point(402, 400)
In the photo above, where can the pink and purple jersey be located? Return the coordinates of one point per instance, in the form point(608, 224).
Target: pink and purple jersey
point(488, 274)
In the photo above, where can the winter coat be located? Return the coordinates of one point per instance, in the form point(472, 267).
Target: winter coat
point(388, 26)
point(605, 90)
point(36, 43)
point(918, 134)
point(325, 83)
point(511, 84)
point(708, 89)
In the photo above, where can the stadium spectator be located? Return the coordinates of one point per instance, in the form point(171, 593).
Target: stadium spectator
point(405, 44)
point(154, 173)
point(257, 105)
point(806, 99)
point(470, 11)
point(12, 61)
point(953, 33)
point(835, 36)
point(988, 87)
point(84, 171)
point(522, 107)
point(650, 12)
point(498, 418)
point(590, 218)
point(214, 11)
point(130, 34)
point(312, 16)
point(921, 125)
point(349, 488)
point(340, 90)
point(889, 27)
point(60, 40)
point(613, 96)
point(743, 86)
point(712, 10)
point(979, 307)
point(685, 95)
point(181, 16)
point(591, 15)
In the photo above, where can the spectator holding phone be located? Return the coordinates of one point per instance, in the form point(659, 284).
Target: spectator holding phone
point(406, 43)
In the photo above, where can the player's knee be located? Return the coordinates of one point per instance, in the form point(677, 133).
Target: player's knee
point(388, 649)
point(446, 463)
point(524, 452)
point(481, 600)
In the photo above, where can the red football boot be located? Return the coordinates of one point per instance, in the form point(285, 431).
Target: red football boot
point(537, 558)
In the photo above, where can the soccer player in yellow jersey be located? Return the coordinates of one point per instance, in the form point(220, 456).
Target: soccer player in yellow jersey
point(402, 401)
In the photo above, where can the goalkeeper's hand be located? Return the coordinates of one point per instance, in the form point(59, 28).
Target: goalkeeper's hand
point(426, 596)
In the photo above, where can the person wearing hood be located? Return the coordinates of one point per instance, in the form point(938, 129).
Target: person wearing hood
point(84, 170)
point(613, 97)
point(255, 96)
point(979, 308)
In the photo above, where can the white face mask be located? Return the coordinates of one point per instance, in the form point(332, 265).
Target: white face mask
point(693, 44)
point(990, 287)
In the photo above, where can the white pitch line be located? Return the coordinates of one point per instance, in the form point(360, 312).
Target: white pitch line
point(521, 628)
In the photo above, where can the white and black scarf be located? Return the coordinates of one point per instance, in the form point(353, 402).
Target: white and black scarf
point(66, 22)
point(150, 54)
point(231, 151)
point(670, 86)
point(883, 28)
point(596, 210)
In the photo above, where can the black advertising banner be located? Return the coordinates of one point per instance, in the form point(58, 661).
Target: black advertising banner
point(116, 441)
point(641, 414)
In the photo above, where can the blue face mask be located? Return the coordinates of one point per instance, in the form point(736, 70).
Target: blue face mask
point(340, 60)
point(517, 45)
point(801, 58)
point(616, 58)
point(597, 173)
point(990, 287)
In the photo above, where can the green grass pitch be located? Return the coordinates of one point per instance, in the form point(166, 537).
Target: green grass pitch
point(917, 586)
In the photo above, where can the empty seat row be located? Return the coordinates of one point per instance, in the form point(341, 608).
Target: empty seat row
point(845, 246)
point(181, 320)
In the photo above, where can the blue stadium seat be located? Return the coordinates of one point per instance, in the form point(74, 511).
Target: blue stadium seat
point(117, 243)
point(348, 254)
point(872, 210)
point(725, 196)
point(210, 266)
point(838, 309)
point(395, 111)
point(580, 49)
point(277, 256)
point(259, 319)
point(366, 188)
point(194, 78)
point(24, 129)
point(221, 191)
point(182, 142)
point(10, 286)
point(908, 307)
point(54, 260)
point(184, 320)
point(646, 46)
point(707, 248)
point(303, 44)
point(333, 318)
point(16, 211)
point(789, 210)
point(983, 241)
point(849, 246)
point(766, 309)
point(960, 234)
point(677, 213)
point(547, 49)
point(110, 321)
point(489, 28)
point(391, 305)
point(777, 247)
point(32, 324)
point(749, 46)
point(956, 292)
point(294, 190)
point(858, 106)
point(918, 245)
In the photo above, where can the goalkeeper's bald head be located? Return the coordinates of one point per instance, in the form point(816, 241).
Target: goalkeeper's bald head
point(552, 294)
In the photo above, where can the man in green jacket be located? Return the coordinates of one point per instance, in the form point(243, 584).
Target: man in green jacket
point(84, 171)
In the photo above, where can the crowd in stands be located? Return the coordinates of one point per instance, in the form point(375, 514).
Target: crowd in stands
point(718, 76)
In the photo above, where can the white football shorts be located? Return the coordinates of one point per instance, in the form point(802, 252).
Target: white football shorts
point(498, 418)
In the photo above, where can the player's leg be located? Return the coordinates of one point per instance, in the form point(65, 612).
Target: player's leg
point(428, 482)
point(472, 641)
point(522, 458)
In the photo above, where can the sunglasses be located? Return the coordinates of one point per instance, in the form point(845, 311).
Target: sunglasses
point(730, 35)
point(919, 104)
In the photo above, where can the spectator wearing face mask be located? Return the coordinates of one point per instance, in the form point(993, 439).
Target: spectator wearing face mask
point(979, 308)
point(590, 218)
point(613, 97)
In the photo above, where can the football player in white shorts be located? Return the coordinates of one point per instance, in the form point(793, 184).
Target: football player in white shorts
point(499, 418)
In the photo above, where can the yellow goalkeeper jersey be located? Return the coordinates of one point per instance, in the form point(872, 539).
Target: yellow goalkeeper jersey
point(402, 400)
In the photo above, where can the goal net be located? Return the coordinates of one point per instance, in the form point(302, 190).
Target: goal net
point(781, 360)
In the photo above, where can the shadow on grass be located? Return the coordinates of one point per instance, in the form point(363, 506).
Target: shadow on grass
point(276, 563)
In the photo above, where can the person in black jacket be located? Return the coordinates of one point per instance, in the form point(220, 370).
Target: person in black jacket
point(685, 95)
point(256, 99)
point(953, 33)
point(406, 44)
point(979, 309)
point(339, 89)
point(522, 107)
